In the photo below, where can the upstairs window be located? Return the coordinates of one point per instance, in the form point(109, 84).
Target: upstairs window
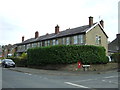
point(98, 39)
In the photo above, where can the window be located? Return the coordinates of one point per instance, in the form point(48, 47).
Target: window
point(98, 39)
point(53, 41)
point(75, 40)
point(19, 47)
point(80, 39)
point(63, 41)
point(67, 40)
point(23, 47)
point(34, 44)
point(46, 43)
point(28, 46)
point(39, 44)
point(56, 42)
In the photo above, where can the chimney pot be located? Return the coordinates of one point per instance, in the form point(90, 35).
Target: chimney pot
point(90, 21)
point(47, 33)
point(57, 29)
point(36, 34)
point(102, 23)
point(22, 38)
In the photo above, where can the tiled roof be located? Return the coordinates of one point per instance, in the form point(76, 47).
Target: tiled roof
point(112, 47)
point(26, 41)
point(67, 32)
point(21, 50)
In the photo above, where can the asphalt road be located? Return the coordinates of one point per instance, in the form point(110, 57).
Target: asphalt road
point(14, 79)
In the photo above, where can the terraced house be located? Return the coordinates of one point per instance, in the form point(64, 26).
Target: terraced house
point(91, 34)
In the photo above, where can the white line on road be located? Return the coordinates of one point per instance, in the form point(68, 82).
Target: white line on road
point(84, 80)
point(75, 85)
point(111, 77)
point(27, 73)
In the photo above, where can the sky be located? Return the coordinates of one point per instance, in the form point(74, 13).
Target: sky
point(24, 17)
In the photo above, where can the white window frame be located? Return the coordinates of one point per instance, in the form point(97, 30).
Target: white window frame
point(98, 39)
point(48, 42)
point(28, 46)
point(80, 39)
point(34, 45)
point(53, 42)
point(56, 41)
point(75, 39)
point(67, 40)
point(63, 41)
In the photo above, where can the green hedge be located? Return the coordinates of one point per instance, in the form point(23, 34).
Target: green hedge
point(62, 54)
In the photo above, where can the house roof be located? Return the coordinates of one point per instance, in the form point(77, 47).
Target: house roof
point(26, 41)
point(63, 33)
point(67, 32)
point(112, 46)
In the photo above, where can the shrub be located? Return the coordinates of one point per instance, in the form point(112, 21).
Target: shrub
point(62, 54)
point(21, 60)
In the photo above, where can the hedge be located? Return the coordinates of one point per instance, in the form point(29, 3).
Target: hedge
point(62, 54)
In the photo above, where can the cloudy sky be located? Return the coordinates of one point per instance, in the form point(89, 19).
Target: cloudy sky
point(23, 17)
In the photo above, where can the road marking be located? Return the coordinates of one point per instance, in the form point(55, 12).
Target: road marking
point(84, 80)
point(28, 73)
point(111, 77)
point(75, 85)
point(103, 80)
point(25, 73)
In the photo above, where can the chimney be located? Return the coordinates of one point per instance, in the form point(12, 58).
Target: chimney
point(102, 23)
point(57, 29)
point(47, 33)
point(22, 38)
point(90, 21)
point(36, 34)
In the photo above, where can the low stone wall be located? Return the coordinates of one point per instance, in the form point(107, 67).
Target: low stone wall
point(98, 67)
point(108, 66)
point(74, 67)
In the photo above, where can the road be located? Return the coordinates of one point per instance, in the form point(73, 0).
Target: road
point(14, 79)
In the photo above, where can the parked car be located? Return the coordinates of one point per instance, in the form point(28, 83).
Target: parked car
point(8, 63)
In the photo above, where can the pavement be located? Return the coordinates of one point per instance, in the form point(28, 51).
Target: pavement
point(56, 72)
